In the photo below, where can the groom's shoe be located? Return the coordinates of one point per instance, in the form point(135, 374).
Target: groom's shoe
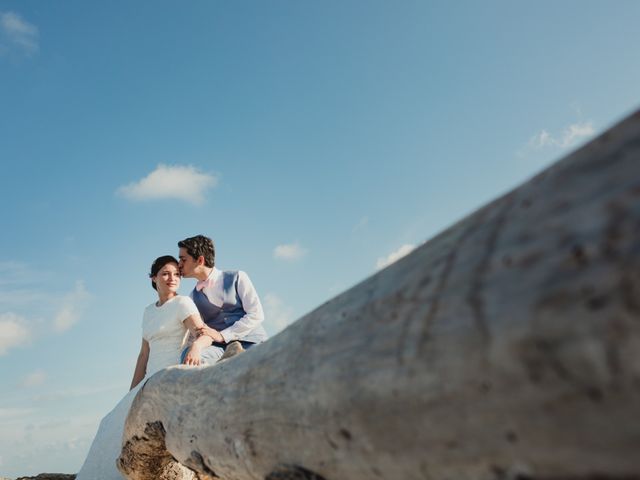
point(233, 348)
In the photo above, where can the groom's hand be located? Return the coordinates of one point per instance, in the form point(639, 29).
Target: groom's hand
point(193, 356)
point(211, 332)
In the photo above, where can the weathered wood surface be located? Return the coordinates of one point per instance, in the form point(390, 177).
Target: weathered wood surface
point(507, 346)
point(47, 476)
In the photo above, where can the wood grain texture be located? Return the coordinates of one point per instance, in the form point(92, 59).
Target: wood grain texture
point(508, 346)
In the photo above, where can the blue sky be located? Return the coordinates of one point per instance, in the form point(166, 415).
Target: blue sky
point(317, 141)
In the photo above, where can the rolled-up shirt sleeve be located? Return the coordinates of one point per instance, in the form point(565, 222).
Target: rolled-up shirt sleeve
point(254, 315)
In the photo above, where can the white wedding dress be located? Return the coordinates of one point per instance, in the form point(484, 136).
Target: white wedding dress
point(162, 327)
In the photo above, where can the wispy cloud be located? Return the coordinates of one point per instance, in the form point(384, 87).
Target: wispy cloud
point(15, 412)
point(176, 182)
point(568, 137)
point(15, 299)
point(34, 379)
point(12, 272)
point(20, 286)
point(277, 314)
point(289, 251)
point(73, 306)
point(13, 332)
point(363, 222)
point(394, 256)
point(76, 392)
point(17, 33)
point(51, 440)
point(29, 307)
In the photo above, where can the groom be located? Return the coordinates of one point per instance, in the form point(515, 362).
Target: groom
point(226, 300)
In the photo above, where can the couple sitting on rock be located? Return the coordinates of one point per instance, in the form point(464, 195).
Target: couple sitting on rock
point(221, 317)
point(223, 312)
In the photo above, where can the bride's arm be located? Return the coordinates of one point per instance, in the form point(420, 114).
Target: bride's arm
point(193, 323)
point(141, 364)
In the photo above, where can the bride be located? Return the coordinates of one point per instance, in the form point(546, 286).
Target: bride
point(166, 326)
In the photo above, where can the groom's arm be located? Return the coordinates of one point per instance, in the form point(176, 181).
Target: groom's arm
point(194, 323)
point(211, 333)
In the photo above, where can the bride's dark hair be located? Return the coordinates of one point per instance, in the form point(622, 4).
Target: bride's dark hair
point(157, 265)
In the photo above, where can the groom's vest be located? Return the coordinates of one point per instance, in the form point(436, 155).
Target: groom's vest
point(231, 310)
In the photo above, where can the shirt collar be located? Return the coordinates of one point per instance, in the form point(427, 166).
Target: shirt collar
point(215, 274)
point(209, 281)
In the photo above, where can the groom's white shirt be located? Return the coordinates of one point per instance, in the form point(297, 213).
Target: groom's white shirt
point(254, 314)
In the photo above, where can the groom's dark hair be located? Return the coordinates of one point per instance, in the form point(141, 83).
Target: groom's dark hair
point(200, 246)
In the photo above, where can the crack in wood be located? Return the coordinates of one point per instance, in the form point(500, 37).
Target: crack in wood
point(443, 278)
point(475, 297)
point(197, 462)
point(293, 472)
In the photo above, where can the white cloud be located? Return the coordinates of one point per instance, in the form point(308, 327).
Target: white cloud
point(13, 332)
point(290, 251)
point(17, 32)
point(383, 262)
point(72, 308)
point(277, 314)
point(573, 133)
point(176, 182)
point(565, 139)
point(34, 379)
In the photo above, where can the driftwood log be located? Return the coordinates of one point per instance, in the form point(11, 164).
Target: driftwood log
point(47, 476)
point(506, 347)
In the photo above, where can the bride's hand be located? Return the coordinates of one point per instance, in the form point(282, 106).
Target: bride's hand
point(193, 356)
point(211, 332)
